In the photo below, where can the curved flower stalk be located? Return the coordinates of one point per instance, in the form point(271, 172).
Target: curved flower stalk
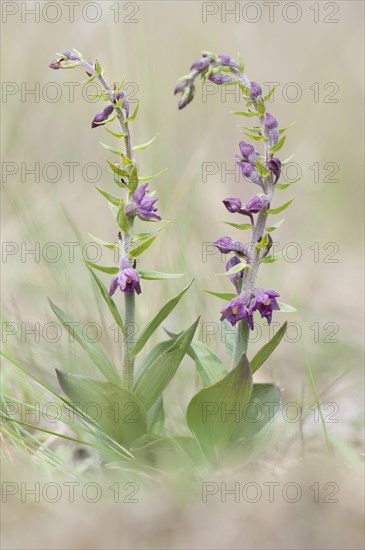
point(136, 202)
point(262, 169)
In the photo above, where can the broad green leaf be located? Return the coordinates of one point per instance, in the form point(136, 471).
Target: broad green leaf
point(265, 352)
point(213, 413)
point(147, 178)
point(111, 149)
point(157, 275)
point(260, 107)
point(157, 320)
point(152, 355)
point(122, 217)
point(280, 208)
point(145, 145)
point(95, 353)
point(277, 147)
point(112, 270)
point(114, 410)
point(210, 368)
point(110, 302)
point(229, 336)
point(156, 417)
point(156, 377)
point(275, 226)
point(223, 295)
point(137, 250)
point(108, 196)
point(171, 454)
point(242, 226)
point(104, 243)
point(235, 269)
point(260, 411)
point(285, 308)
point(133, 115)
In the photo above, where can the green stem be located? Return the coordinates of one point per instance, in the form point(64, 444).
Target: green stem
point(241, 342)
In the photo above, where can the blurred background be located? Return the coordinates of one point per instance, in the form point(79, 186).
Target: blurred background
point(51, 162)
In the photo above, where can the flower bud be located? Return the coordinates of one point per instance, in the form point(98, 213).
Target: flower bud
point(201, 64)
point(271, 128)
point(255, 204)
point(248, 151)
point(220, 78)
point(235, 278)
point(180, 87)
point(100, 118)
point(233, 204)
point(227, 61)
point(250, 172)
point(255, 90)
point(71, 56)
point(275, 167)
point(227, 245)
point(125, 104)
point(187, 97)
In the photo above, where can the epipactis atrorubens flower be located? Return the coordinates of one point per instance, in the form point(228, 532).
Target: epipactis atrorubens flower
point(255, 90)
point(227, 245)
point(248, 152)
point(257, 203)
point(125, 104)
point(102, 116)
point(233, 204)
point(142, 205)
point(265, 302)
point(274, 166)
point(235, 278)
point(227, 61)
point(127, 279)
point(201, 64)
point(250, 172)
point(220, 78)
point(271, 128)
point(237, 310)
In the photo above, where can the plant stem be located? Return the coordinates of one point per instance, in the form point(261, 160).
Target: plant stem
point(129, 299)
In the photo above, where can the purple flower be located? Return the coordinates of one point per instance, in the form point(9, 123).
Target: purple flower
point(187, 96)
point(127, 280)
point(100, 118)
point(265, 302)
point(142, 205)
point(256, 203)
point(255, 90)
point(235, 277)
point(220, 78)
point(180, 87)
point(233, 204)
point(201, 64)
point(227, 61)
point(248, 151)
point(125, 104)
point(227, 245)
point(250, 172)
point(271, 128)
point(237, 310)
point(275, 167)
point(71, 56)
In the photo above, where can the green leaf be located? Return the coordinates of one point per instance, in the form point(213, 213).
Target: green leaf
point(267, 96)
point(280, 208)
point(104, 243)
point(145, 145)
point(98, 68)
point(282, 130)
point(152, 355)
point(265, 352)
point(213, 413)
point(277, 147)
point(95, 353)
point(117, 170)
point(157, 320)
point(255, 138)
point(285, 308)
point(115, 411)
point(156, 377)
point(260, 107)
point(147, 178)
point(260, 411)
point(241, 226)
point(245, 90)
point(156, 417)
point(286, 185)
point(117, 135)
point(122, 217)
point(112, 270)
point(134, 252)
point(133, 179)
point(275, 226)
point(235, 269)
point(247, 114)
point(110, 302)
point(210, 368)
point(108, 196)
point(111, 149)
point(263, 243)
point(262, 170)
point(157, 275)
point(271, 258)
point(223, 295)
point(133, 115)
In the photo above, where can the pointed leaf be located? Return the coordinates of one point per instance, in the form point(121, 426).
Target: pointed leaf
point(117, 170)
point(133, 179)
point(133, 115)
point(280, 208)
point(136, 251)
point(241, 226)
point(278, 146)
point(157, 320)
point(157, 275)
point(111, 149)
point(104, 243)
point(265, 352)
point(147, 178)
point(285, 308)
point(112, 270)
point(108, 196)
point(286, 185)
point(247, 114)
point(145, 145)
point(114, 410)
point(208, 364)
point(122, 218)
point(213, 413)
point(275, 226)
point(156, 377)
point(156, 417)
point(235, 269)
point(223, 295)
point(95, 353)
point(110, 302)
